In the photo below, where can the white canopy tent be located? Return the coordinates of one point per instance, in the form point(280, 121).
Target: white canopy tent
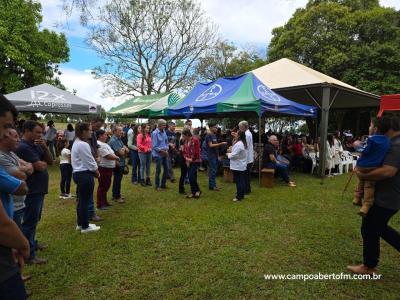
point(307, 86)
point(45, 98)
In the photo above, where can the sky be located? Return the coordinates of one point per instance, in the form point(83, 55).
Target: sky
point(246, 23)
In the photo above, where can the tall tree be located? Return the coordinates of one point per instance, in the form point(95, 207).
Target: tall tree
point(224, 59)
point(356, 41)
point(28, 55)
point(150, 46)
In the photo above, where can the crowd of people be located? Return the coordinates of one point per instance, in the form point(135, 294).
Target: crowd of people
point(91, 152)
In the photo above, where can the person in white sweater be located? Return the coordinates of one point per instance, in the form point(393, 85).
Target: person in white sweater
point(238, 163)
point(85, 169)
point(244, 126)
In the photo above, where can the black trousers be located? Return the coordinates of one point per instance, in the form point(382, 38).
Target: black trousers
point(248, 179)
point(66, 175)
point(184, 171)
point(239, 177)
point(85, 187)
point(375, 226)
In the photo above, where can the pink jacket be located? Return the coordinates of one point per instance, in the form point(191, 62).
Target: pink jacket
point(143, 146)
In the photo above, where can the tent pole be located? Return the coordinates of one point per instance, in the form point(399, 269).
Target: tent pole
point(259, 151)
point(324, 130)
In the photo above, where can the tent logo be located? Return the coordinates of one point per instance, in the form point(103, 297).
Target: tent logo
point(92, 109)
point(267, 93)
point(210, 93)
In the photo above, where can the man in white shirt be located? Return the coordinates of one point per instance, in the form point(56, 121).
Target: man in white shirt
point(244, 127)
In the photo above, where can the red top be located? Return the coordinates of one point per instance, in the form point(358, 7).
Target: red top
point(143, 146)
point(191, 150)
point(298, 149)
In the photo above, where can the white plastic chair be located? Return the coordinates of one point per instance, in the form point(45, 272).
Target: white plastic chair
point(347, 161)
point(313, 157)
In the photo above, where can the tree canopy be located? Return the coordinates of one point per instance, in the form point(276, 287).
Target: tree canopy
point(28, 56)
point(224, 59)
point(150, 46)
point(356, 41)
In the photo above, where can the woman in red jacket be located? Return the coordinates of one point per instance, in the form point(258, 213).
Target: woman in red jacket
point(143, 143)
point(191, 153)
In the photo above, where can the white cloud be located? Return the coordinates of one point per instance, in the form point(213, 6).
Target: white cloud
point(244, 21)
point(87, 87)
point(55, 18)
point(390, 3)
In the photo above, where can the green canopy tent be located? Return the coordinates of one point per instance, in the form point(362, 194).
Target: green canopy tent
point(147, 106)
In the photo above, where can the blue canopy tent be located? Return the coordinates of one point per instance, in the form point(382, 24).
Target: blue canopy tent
point(244, 94)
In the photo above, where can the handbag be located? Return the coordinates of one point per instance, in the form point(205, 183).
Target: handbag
point(126, 170)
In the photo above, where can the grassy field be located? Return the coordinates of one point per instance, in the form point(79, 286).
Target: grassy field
point(160, 245)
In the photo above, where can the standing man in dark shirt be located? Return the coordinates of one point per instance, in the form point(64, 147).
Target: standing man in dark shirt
point(13, 245)
point(121, 151)
point(32, 148)
point(171, 134)
point(386, 203)
point(212, 146)
point(96, 124)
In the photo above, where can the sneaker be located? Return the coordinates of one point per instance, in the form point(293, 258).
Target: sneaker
point(90, 225)
point(216, 189)
point(63, 196)
point(96, 218)
point(71, 196)
point(37, 261)
point(362, 269)
point(90, 229)
point(236, 200)
point(291, 184)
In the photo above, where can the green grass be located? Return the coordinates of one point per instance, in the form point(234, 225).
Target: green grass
point(163, 246)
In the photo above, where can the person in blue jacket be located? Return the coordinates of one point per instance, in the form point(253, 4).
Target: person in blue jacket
point(372, 157)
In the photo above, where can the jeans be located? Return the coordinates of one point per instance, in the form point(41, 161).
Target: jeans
point(375, 226)
point(66, 175)
point(184, 171)
point(13, 288)
point(248, 178)
point(282, 171)
point(85, 187)
point(104, 186)
point(32, 214)
point(145, 162)
point(50, 144)
point(136, 176)
point(116, 188)
point(212, 173)
point(170, 174)
point(161, 161)
point(239, 177)
point(194, 186)
point(19, 217)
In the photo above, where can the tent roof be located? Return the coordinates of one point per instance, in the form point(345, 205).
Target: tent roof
point(134, 105)
point(240, 94)
point(46, 98)
point(303, 84)
point(389, 102)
